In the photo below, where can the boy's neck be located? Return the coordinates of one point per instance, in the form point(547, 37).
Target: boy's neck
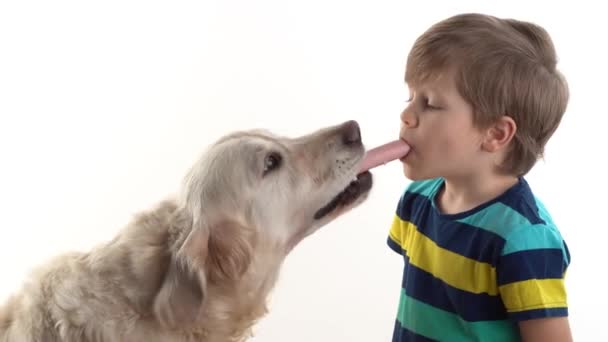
point(465, 193)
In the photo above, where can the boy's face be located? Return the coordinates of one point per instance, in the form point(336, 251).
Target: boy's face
point(438, 125)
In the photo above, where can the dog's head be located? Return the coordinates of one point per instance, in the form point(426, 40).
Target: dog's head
point(254, 188)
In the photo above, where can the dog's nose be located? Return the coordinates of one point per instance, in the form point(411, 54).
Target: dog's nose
point(351, 134)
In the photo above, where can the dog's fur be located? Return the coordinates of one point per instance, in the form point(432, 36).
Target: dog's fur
point(199, 267)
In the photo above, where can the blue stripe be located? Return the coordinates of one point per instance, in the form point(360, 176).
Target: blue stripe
point(521, 199)
point(472, 307)
point(566, 252)
point(410, 201)
point(459, 237)
point(531, 264)
point(538, 313)
point(394, 246)
point(401, 334)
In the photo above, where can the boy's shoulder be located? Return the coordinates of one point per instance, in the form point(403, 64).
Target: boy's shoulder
point(517, 216)
point(520, 218)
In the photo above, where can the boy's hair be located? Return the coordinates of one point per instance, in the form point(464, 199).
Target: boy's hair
point(503, 67)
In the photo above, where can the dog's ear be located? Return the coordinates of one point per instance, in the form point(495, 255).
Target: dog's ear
point(217, 254)
point(180, 298)
point(230, 251)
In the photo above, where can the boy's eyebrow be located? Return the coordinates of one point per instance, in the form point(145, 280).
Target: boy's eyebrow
point(429, 90)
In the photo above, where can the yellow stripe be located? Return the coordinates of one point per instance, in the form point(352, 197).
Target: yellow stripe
point(534, 294)
point(454, 269)
point(395, 232)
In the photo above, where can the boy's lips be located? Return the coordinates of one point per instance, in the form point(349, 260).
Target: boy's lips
point(410, 151)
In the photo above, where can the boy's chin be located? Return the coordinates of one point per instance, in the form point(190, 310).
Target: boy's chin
point(415, 175)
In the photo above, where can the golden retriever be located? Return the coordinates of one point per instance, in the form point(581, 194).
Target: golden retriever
point(198, 267)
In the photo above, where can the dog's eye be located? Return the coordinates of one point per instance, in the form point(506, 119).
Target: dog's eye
point(271, 162)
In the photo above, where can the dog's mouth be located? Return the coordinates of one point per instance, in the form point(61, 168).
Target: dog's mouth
point(354, 190)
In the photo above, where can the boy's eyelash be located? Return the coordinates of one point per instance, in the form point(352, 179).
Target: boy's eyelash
point(425, 103)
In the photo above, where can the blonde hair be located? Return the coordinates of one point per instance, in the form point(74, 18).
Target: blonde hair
point(503, 67)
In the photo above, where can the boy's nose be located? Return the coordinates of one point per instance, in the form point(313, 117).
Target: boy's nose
point(409, 118)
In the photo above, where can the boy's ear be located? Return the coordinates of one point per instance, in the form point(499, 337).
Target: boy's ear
point(499, 134)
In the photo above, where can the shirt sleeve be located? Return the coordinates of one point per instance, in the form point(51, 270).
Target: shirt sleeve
point(394, 236)
point(395, 230)
point(531, 273)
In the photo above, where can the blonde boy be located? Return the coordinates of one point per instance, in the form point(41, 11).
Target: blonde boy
point(483, 259)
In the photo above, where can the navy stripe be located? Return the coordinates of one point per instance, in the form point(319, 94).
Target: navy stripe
point(469, 241)
point(401, 334)
point(521, 199)
point(410, 201)
point(472, 307)
point(394, 246)
point(538, 313)
point(546, 263)
point(567, 251)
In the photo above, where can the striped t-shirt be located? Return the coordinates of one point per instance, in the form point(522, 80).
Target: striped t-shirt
point(472, 276)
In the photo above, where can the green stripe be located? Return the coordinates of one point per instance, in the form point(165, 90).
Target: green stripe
point(537, 236)
point(497, 218)
point(425, 188)
point(543, 212)
point(516, 229)
point(441, 325)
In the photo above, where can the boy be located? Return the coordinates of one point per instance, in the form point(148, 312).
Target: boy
point(483, 259)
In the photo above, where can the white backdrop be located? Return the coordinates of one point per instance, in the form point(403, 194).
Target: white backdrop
point(104, 105)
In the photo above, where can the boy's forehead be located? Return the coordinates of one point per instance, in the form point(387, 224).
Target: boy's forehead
point(439, 81)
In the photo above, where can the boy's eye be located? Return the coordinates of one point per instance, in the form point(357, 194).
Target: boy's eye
point(426, 104)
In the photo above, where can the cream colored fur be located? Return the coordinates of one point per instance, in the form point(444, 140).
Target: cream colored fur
point(198, 267)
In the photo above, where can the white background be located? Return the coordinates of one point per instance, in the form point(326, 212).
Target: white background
point(104, 105)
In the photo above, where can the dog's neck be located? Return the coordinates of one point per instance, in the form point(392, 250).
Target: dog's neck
point(231, 309)
point(231, 305)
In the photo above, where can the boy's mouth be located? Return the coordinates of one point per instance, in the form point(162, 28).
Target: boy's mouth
point(402, 159)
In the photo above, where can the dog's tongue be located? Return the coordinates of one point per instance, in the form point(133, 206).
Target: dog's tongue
point(383, 154)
